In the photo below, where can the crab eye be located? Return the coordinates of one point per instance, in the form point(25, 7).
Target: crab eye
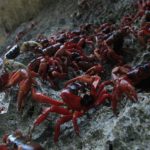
point(87, 100)
point(132, 75)
point(146, 68)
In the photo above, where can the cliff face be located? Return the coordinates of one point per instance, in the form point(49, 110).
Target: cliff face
point(15, 12)
point(100, 129)
point(17, 15)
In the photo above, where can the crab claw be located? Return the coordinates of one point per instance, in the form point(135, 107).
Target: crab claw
point(16, 77)
point(122, 86)
point(96, 69)
point(24, 88)
point(129, 90)
point(86, 78)
point(96, 81)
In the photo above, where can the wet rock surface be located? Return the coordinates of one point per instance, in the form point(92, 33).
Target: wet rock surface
point(100, 129)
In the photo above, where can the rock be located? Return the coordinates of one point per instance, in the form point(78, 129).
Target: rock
point(99, 128)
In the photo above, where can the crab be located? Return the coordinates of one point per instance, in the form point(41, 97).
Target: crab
point(73, 55)
point(104, 28)
point(127, 20)
point(69, 47)
point(51, 50)
point(114, 45)
point(144, 31)
point(18, 141)
point(142, 6)
point(79, 95)
point(24, 78)
point(124, 80)
point(48, 68)
point(109, 45)
point(96, 69)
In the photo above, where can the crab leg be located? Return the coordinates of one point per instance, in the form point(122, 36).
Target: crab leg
point(16, 77)
point(94, 80)
point(114, 104)
point(102, 85)
point(128, 89)
point(59, 122)
point(56, 109)
point(41, 117)
point(81, 43)
point(102, 97)
point(44, 99)
point(24, 88)
point(76, 115)
point(102, 94)
point(57, 74)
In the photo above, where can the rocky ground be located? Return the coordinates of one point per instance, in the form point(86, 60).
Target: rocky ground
point(99, 128)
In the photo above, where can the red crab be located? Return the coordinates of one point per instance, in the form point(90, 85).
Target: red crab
point(96, 69)
point(79, 95)
point(104, 28)
point(113, 45)
point(25, 80)
point(127, 20)
point(51, 50)
point(73, 55)
point(124, 80)
point(144, 31)
point(69, 47)
point(48, 68)
point(17, 141)
point(142, 5)
point(109, 46)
